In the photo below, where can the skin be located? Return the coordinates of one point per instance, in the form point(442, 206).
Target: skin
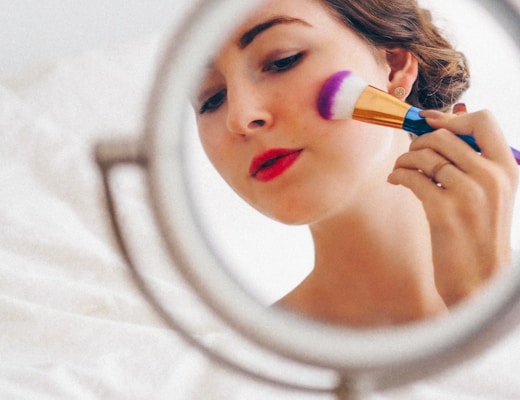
point(470, 217)
point(391, 245)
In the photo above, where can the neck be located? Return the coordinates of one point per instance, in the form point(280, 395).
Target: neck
point(373, 264)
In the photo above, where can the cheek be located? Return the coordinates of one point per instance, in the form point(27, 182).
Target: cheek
point(213, 143)
point(350, 155)
point(296, 96)
point(224, 155)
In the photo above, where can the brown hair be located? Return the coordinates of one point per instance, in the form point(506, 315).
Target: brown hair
point(443, 71)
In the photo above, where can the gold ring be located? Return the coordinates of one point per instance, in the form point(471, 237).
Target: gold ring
point(437, 169)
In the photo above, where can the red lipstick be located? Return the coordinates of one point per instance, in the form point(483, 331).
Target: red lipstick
point(272, 163)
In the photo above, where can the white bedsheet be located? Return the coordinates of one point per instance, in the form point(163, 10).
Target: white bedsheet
point(72, 324)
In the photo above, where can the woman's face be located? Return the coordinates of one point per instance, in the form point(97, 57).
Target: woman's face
point(258, 119)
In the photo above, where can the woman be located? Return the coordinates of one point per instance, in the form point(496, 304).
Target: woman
point(402, 229)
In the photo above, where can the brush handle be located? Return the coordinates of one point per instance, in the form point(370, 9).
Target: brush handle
point(414, 123)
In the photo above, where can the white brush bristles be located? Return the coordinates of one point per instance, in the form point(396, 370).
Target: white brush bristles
point(347, 96)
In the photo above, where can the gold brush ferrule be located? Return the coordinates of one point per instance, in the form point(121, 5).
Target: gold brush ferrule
point(378, 107)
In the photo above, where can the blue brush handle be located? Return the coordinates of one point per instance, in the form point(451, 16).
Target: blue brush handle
point(417, 125)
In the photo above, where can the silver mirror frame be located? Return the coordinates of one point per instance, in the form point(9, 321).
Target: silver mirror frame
point(366, 358)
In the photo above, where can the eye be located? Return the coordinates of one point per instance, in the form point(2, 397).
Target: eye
point(283, 64)
point(214, 102)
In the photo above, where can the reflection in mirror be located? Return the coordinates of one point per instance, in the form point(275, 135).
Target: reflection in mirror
point(367, 225)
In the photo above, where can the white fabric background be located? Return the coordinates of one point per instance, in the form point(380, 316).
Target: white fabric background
point(72, 324)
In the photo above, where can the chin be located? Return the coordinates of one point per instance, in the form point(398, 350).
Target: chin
point(292, 215)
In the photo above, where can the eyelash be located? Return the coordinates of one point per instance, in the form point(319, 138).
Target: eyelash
point(283, 64)
point(277, 66)
point(217, 98)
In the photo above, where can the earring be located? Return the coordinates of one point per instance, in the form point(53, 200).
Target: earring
point(400, 92)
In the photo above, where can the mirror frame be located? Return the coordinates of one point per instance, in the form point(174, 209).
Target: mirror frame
point(374, 358)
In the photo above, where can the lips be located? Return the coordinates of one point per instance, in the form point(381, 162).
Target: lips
point(272, 163)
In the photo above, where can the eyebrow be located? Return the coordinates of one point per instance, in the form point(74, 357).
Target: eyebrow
point(247, 38)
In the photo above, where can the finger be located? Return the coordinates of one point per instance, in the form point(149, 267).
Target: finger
point(468, 167)
point(450, 147)
point(438, 169)
point(435, 174)
point(421, 185)
point(482, 125)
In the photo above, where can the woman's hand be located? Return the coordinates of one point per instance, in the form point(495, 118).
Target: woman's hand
point(468, 197)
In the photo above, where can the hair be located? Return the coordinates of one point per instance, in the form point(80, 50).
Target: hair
point(443, 71)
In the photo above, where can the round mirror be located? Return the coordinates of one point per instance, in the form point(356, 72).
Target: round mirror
point(239, 263)
point(270, 258)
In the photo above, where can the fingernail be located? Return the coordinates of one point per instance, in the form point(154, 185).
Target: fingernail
point(460, 108)
point(431, 114)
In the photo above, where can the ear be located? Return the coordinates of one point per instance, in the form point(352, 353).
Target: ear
point(404, 69)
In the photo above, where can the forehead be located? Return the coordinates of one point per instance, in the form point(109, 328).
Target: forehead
point(311, 12)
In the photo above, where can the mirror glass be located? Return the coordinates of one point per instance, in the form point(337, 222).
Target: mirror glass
point(270, 258)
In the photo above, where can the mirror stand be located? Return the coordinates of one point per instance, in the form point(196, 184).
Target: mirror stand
point(109, 156)
point(360, 360)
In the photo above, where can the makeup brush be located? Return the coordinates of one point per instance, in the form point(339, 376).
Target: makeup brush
point(347, 96)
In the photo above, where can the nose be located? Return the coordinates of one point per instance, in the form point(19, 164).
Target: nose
point(248, 110)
